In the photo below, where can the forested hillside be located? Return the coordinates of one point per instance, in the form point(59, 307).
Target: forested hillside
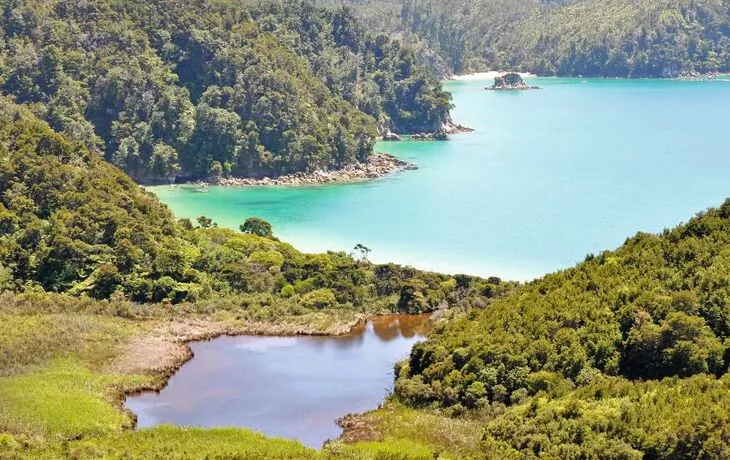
point(627, 354)
point(72, 223)
point(614, 38)
point(203, 88)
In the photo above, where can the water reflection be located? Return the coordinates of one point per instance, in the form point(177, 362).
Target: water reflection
point(293, 387)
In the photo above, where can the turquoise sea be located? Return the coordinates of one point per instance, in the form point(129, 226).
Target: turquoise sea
point(548, 177)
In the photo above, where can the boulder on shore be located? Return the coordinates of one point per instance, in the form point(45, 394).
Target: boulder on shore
point(377, 165)
point(510, 81)
point(437, 136)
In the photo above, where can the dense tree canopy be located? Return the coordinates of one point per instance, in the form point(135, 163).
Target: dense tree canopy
point(72, 223)
point(617, 38)
point(585, 338)
point(201, 88)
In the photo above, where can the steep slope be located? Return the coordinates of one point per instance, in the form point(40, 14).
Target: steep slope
point(203, 88)
point(587, 348)
point(615, 38)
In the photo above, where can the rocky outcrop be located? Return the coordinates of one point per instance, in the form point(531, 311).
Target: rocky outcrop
point(694, 75)
point(377, 165)
point(438, 136)
point(510, 81)
point(451, 127)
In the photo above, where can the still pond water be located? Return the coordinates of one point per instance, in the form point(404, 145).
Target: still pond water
point(293, 387)
point(548, 177)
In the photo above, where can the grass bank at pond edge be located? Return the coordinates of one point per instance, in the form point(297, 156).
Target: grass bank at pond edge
point(65, 375)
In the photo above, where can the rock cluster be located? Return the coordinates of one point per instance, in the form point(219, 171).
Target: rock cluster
point(447, 127)
point(455, 128)
point(694, 75)
point(389, 136)
point(437, 136)
point(377, 165)
point(510, 81)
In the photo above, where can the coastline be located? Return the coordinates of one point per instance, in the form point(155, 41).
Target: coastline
point(451, 127)
point(491, 75)
point(377, 165)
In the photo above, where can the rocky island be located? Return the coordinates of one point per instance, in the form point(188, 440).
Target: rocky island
point(510, 81)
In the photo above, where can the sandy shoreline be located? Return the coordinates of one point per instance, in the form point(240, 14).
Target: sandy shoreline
point(491, 75)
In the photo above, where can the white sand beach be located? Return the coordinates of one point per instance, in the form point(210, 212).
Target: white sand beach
point(486, 75)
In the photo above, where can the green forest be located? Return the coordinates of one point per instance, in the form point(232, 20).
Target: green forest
point(200, 89)
point(579, 364)
point(623, 356)
point(613, 38)
point(72, 223)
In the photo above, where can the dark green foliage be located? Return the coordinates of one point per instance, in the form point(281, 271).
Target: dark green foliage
point(510, 79)
point(202, 89)
point(257, 226)
point(622, 38)
point(72, 223)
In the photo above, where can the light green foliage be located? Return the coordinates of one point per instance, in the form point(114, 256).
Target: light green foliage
point(416, 432)
point(62, 399)
point(268, 259)
point(320, 298)
point(30, 338)
point(382, 450)
point(191, 443)
point(656, 307)
point(616, 418)
point(287, 291)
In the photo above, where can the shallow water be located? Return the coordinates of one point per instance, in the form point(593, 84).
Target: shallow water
point(549, 176)
point(294, 387)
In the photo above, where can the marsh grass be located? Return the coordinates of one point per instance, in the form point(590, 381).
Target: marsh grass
point(58, 399)
point(31, 339)
point(394, 428)
point(166, 442)
point(65, 400)
point(392, 449)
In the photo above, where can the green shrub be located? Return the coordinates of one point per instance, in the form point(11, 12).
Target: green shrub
point(320, 298)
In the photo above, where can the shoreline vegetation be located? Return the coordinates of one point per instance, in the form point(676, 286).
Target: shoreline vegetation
point(378, 164)
point(181, 92)
point(88, 357)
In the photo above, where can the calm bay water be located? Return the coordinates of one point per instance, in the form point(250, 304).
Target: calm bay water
point(294, 387)
point(548, 177)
